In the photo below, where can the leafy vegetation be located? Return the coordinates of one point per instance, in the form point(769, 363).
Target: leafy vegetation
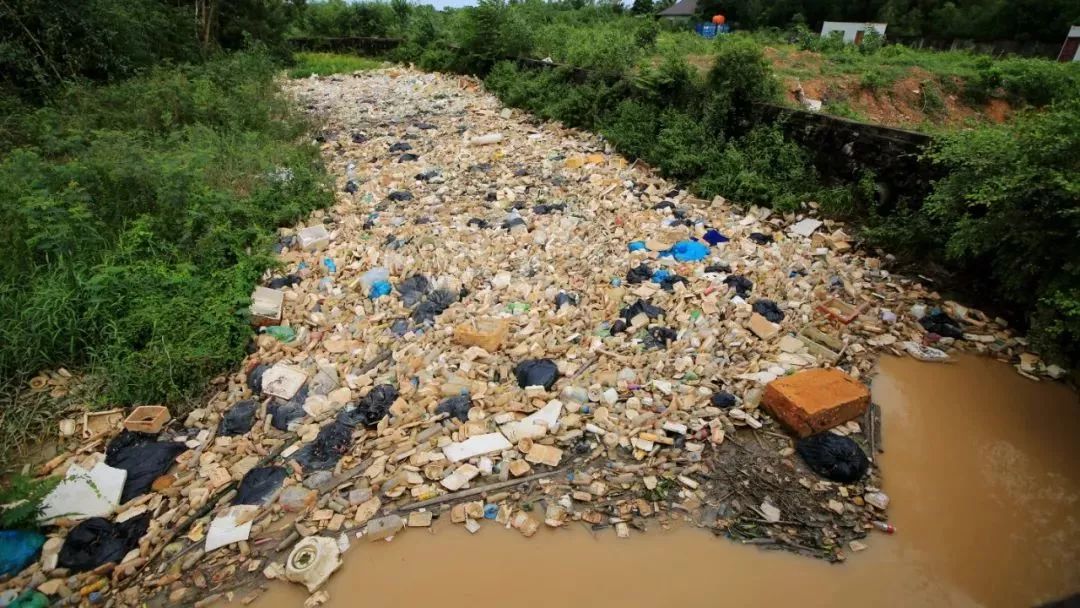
point(20, 501)
point(322, 64)
point(136, 218)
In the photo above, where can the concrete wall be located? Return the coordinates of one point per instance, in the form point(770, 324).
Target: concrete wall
point(850, 28)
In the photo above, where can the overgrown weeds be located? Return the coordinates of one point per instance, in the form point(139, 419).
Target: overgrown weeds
point(323, 64)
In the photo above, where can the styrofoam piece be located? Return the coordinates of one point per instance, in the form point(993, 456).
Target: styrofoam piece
point(82, 494)
point(266, 305)
point(476, 446)
point(806, 226)
point(283, 381)
point(313, 238)
point(226, 528)
point(535, 425)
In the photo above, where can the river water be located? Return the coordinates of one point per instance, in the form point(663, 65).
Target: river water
point(982, 465)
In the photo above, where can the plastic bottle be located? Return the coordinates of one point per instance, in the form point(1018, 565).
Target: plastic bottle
point(883, 526)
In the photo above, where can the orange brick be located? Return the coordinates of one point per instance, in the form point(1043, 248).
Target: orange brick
point(815, 400)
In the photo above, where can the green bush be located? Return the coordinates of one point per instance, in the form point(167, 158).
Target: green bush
point(741, 77)
point(21, 499)
point(136, 217)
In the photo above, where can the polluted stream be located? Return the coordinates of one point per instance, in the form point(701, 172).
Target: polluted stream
point(985, 516)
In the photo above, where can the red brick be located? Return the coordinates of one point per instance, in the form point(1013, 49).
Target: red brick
point(815, 400)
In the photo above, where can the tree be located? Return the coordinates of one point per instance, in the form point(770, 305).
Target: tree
point(642, 7)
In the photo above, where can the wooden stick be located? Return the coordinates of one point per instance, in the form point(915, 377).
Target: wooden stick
point(477, 491)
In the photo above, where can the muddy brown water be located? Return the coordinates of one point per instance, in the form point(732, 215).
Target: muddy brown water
point(982, 465)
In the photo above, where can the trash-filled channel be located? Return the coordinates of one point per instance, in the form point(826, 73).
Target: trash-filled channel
point(504, 329)
point(985, 516)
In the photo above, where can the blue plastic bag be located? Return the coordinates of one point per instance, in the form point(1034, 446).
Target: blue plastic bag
point(637, 246)
point(18, 549)
point(660, 274)
point(688, 251)
point(379, 289)
point(713, 237)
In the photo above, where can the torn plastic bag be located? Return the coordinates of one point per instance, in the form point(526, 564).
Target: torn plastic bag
point(18, 549)
point(143, 457)
point(433, 305)
point(659, 337)
point(259, 485)
point(833, 457)
point(536, 372)
point(565, 299)
point(371, 408)
point(333, 441)
point(458, 407)
point(688, 251)
point(98, 541)
point(546, 208)
point(238, 419)
point(768, 309)
point(413, 289)
point(723, 400)
point(254, 379)
point(639, 274)
point(942, 324)
point(283, 413)
point(641, 307)
point(713, 237)
point(741, 284)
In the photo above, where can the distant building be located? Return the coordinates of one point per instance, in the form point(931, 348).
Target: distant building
point(853, 32)
point(681, 9)
point(1070, 51)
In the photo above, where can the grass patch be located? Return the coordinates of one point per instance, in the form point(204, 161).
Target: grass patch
point(324, 64)
point(136, 218)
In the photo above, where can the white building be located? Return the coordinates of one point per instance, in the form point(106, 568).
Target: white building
point(1070, 51)
point(853, 32)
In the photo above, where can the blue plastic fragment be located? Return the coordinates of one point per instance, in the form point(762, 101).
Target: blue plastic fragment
point(713, 237)
point(379, 289)
point(331, 267)
point(18, 549)
point(491, 511)
point(637, 246)
point(616, 282)
point(688, 251)
point(660, 274)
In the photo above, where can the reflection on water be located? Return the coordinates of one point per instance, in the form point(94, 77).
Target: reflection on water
point(983, 468)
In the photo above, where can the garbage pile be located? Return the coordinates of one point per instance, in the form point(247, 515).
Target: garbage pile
point(502, 320)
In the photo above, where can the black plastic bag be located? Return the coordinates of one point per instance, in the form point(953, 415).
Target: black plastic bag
point(741, 284)
point(668, 283)
point(401, 146)
point(659, 337)
point(546, 208)
point(664, 205)
point(255, 376)
point(400, 196)
point(332, 442)
point(143, 457)
point(723, 400)
point(536, 372)
point(833, 457)
point(475, 221)
point(768, 309)
point(458, 407)
point(408, 157)
point(413, 289)
point(98, 541)
point(510, 223)
point(371, 408)
point(434, 305)
point(639, 274)
point(641, 307)
point(760, 238)
point(943, 325)
point(238, 419)
point(565, 299)
point(284, 412)
point(286, 281)
point(351, 187)
point(718, 268)
point(427, 175)
point(259, 485)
